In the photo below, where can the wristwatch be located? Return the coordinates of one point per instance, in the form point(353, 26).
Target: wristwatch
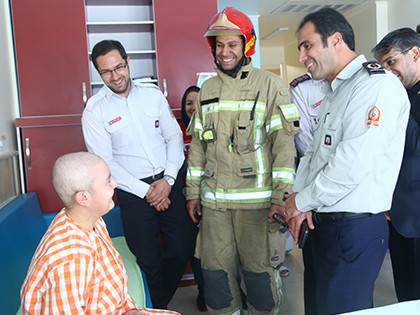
point(169, 180)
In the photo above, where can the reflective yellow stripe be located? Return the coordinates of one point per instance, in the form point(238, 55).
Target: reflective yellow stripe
point(232, 106)
point(290, 111)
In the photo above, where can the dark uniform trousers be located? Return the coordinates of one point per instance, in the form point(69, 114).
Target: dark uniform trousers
point(405, 259)
point(342, 260)
point(159, 240)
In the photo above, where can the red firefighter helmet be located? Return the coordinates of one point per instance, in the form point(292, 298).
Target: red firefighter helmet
point(231, 20)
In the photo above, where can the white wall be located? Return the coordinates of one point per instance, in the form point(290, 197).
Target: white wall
point(369, 21)
point(8, 86)
point(363, 20)
point(403, 13)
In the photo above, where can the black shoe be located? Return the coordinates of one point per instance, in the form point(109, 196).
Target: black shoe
point(201, 302)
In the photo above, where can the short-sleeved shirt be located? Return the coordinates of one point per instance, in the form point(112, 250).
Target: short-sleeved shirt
point(77, 271)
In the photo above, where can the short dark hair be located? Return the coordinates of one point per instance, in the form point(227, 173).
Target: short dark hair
point(418, 28)
point(400, 39)
point(104, 47)
point(327, 21)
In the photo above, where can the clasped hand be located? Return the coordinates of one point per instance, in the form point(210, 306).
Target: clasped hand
point(158, 195)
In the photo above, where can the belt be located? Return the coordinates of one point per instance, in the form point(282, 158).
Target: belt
point(338, 216)
point(152, 178)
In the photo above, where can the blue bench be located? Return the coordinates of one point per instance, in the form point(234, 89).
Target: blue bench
point(22, 225)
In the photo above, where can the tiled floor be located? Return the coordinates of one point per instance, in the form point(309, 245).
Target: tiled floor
point(184, 300)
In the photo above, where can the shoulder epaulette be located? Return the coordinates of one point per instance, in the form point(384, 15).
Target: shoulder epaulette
point(373, 67)
point(300, 79)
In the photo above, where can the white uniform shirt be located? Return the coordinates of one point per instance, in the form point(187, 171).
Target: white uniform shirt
point(137, 136)
point(307, 96)
point(354, 160)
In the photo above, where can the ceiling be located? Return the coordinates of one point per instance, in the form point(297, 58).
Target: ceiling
point(284, 14)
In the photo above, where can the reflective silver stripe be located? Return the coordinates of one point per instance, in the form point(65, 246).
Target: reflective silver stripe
point(209, 108)
point(237, 196)
point(198, 126)
point(259, 160)
point(275, 124)
point(290, 111)
point(195, 172)
point(259, 153)
point(258, 132)
point(286, 175)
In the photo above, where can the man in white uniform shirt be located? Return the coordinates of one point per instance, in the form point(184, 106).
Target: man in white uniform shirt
point(307, 95)
point(130, 125)
point(347, 176)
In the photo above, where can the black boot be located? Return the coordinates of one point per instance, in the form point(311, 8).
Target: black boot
point(201, 302)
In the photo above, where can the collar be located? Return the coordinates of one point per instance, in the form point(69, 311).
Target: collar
point(109, 93)
point(348, 71)
point(242, 74)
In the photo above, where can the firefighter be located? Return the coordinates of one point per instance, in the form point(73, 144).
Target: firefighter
point(241, 164)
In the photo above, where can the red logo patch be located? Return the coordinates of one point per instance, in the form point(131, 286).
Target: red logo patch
point(114, 120)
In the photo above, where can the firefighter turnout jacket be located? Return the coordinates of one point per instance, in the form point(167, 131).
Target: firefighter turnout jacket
point(242, 154)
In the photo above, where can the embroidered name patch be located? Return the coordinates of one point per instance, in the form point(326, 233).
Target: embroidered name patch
point(115, 120)
point(246, 170)
point(374, 116)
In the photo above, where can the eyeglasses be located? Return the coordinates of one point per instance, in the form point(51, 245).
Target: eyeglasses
point(388, 62)
point(120, 69)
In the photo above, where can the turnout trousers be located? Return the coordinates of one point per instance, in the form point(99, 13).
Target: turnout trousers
point(234, 247)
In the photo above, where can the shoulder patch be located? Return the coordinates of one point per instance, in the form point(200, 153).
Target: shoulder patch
point(373, 117)
point(300, 79)
point(373, 67)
